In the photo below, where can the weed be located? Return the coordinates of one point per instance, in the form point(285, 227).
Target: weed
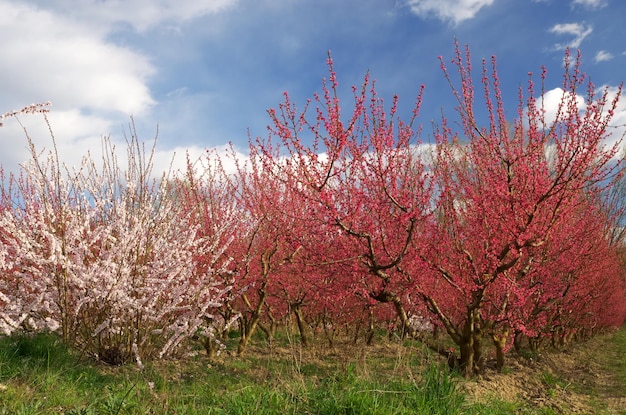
point(553, 382)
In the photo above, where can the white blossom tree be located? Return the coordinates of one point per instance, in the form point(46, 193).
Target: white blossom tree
point(105, 256)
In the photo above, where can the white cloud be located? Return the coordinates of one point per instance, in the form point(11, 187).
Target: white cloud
point(50, 57)
point(617, 127)
point(74, 138)
point(553, 98)
point(454, 11)
point(75, 135)
point(591, 4)
point(139, 14)
point(91, 83)
point(62, 52)
point(603, 56)
point(202, 158)
point(578, 30)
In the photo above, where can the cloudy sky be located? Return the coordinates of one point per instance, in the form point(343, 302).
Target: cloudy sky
point(206, 71)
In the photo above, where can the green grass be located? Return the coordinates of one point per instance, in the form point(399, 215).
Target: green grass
point(612, 358)
point(616, 359)
point(39, 375)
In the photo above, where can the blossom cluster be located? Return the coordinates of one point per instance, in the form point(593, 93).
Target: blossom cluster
point(30, 109)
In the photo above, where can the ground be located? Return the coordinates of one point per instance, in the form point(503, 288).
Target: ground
point(587, 378)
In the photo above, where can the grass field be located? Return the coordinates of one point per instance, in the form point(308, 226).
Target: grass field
point(38, 375)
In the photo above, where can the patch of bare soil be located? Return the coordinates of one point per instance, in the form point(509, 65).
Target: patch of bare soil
point(576, 381)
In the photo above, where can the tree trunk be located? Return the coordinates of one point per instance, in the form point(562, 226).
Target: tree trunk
point(468, 337)
point(370, 329)
point(387, 297)
point(517, 341)
point(269, 331)
point(478, 348)
point(249, 327)
point(301, 325)
point(357, 332)
point(499, 341)
point(246, 334)
point(329, 331)
point(211, 347)
point(470, 343)
point(466, 361)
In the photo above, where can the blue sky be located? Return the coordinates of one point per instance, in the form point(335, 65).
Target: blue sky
point(206, 71)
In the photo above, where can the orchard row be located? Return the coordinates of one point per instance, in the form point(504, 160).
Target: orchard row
point(501, 232)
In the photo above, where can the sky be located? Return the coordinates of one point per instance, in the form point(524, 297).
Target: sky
point(204, 72)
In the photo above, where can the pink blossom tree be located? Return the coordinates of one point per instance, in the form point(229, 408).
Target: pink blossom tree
point(505, 189)
point(366, 187)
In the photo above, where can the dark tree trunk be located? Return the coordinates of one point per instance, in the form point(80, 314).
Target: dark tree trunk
point(517, 341)
point(499, 341)
point(370, 329)
point(301, 325)
point(249, 326)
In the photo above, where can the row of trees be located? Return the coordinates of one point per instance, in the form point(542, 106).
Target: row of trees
point(498, 232)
